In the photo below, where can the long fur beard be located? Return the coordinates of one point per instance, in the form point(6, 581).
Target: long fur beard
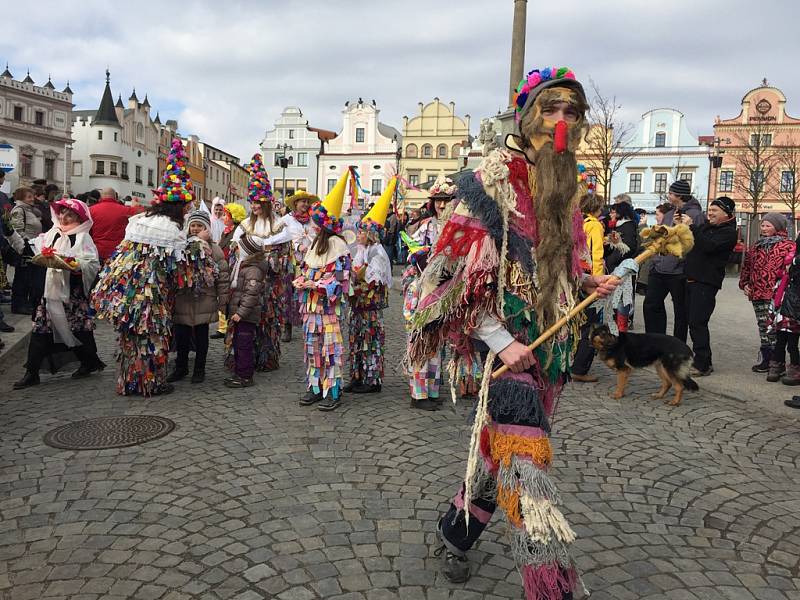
point(556, 185)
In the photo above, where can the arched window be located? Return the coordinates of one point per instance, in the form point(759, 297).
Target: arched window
point(441, 151)
point(427, 151)
point(139, 131)
point(411, 151)
point(456, 151)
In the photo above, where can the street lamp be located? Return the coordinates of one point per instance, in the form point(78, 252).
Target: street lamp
point(284, 162)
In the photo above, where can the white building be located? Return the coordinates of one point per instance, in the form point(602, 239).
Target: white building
point(364, 142)
point(36, 121)
point(115, 147)
point(302, 146)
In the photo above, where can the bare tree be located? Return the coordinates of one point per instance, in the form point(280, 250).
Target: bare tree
point(607, 140)
point(755, 161)
point(787, 159)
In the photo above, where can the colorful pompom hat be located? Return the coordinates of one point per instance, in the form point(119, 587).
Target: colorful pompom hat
point(536, 81)
point(375, 219)
point(328, 213)
point(258, 187)
point(176, 185)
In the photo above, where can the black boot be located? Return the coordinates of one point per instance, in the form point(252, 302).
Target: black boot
point(198, 376)
point(287, 333)
point(429, 404)
point(310, 398)
point(764, 354)
point(177, 375)
point(28, 380)
point(361, 388)
point(82, 372)
point(349, 387)
point(455, 568)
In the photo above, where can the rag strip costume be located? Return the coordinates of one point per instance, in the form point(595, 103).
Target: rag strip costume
point(324, 284)
point(276, 235)
point(488, 284)
point(425, 378)
point(303, 235)
point(136, 289)
point(63, 319)
point(370, 283)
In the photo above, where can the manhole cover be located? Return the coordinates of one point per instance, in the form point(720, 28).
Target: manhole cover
point(109, 432)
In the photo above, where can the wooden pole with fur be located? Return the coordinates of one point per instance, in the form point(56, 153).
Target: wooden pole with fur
point(659, 239)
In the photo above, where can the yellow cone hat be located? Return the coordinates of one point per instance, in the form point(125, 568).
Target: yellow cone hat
point(335, 199)
point(379, 212)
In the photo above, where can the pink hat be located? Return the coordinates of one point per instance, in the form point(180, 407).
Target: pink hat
point(76, 206)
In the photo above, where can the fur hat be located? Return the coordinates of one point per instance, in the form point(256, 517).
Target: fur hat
point(726, 204)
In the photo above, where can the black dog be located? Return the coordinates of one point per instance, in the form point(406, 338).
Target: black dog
point(630, 351)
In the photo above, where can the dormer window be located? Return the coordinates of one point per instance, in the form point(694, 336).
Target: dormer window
point(359, 134)
point(661, 139)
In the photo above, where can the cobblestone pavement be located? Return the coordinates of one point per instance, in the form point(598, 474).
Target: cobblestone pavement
point(253, 496)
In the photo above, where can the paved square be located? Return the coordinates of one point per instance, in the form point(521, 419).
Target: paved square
point(253, 496)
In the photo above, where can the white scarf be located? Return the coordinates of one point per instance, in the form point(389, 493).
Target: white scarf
point(57, 281)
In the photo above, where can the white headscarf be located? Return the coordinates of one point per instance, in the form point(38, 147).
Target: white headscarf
point(217, 224)
point(56, 283)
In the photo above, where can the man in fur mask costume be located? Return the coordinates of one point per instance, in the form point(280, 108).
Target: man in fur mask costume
point(507, 266)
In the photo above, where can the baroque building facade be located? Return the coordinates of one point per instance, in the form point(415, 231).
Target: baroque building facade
point(36, 121)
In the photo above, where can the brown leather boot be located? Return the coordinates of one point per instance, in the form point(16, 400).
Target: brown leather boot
point(792, 376)
point(584, 378)
point(776, 370)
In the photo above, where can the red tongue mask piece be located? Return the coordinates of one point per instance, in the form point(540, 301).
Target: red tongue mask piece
point(560, 137)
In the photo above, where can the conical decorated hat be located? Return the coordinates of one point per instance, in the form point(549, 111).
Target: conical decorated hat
point(335, 199)
point(378, 213)
point(176, 184)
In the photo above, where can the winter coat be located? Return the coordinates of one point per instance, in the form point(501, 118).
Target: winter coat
point(628, 234)
point(246, 296)
point(196, 307)
point(763, 266)
point(593, 229)
point(713, 244)
point(26, 220)
point(110, 220)
point(672, 265)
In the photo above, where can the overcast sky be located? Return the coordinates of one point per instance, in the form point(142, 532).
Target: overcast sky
point(225, 70)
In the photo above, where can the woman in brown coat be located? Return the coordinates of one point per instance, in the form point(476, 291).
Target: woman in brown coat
point(198, 302)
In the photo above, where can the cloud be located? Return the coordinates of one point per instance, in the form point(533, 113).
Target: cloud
point(226, 70)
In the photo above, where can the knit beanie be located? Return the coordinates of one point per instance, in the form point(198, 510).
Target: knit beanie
point(779, 222)
point(200, 216)
point(250, 244)
point(681, 187)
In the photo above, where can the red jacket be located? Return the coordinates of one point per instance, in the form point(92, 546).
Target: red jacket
point(763, 266)
point(110, 220)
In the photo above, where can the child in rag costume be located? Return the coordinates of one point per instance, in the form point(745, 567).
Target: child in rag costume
point(63, 319)
point(369, 295)
point(506, 267)
point(425, 378)
point(136, 289)
point(247, 286)
point(323, 284)
point(232, 215)
point(201, 294)
point(264, 223)
point(298, 221)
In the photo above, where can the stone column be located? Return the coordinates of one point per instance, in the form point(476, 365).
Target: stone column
point(517, 46)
